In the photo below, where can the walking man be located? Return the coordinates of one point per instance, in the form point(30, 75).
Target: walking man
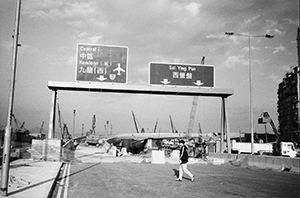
point(183, 160)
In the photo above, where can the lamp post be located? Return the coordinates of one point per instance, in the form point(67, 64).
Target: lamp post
point(74, 114)
point(250, 78)
point(8, 129)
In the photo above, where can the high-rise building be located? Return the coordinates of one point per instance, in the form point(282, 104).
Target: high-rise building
point(289, 102)
point(288, 107)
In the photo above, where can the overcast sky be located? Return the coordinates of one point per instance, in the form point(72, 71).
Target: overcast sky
point(172, 31)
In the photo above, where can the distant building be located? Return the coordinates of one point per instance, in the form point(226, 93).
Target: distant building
point(288, 107)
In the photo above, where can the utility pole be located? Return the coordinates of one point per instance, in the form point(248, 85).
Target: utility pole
point(7, 137)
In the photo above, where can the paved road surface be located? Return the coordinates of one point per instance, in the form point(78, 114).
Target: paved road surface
point(150, 180)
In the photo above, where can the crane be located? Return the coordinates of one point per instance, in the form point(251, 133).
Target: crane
point(154, 130)
point(65, 135)
point(194, 107)
point(136, 123)
point(93, 124)
point(265, 118)
point(41, 130)
point(91, 137)
point(172, 125)
point(41, 135)
point(60, 120)
point(192, 115)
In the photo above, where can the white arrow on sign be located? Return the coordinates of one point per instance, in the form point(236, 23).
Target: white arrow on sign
point(101, 78)
point(198, 83)
point(165, 81)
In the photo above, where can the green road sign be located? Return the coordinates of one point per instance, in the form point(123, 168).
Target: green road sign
point(181, 74)
point(101, 63)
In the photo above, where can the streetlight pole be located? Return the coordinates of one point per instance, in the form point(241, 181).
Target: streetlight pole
point(8, 129)
point(74, 114)
point(250, 79)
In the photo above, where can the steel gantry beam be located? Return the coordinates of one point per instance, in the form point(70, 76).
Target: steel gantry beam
point(144, 89)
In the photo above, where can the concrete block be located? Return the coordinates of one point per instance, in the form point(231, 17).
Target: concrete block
point(37, 145)
point(158, 157)
point(52, 149)
point(175, 155)
point(113, 151)
point(218, 161)
point(124, 151)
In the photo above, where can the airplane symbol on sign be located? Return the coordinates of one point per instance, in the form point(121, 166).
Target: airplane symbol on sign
point(119, 69)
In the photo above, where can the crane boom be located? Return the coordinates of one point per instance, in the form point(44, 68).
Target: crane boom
point(135, 123)
point(192, 114)
point(16, 121)
point(41, 130)
point(194, 107)
point(172, 125)
point(63, 126)
point(265, 118)
point(154, 130)
point(60, 120)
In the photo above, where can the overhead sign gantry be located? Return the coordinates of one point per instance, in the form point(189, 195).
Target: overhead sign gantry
point(103, 68)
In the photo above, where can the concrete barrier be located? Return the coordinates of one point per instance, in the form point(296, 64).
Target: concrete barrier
point(260, 161)
point(50, 149)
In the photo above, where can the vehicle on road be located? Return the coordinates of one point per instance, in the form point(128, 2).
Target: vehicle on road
point(286, 148)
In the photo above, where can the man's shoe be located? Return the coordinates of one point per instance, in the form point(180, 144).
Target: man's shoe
point(192, 179)
point(178, 180)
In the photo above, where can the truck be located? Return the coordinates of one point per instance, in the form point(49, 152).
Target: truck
point(287, 149)
point(92, 139)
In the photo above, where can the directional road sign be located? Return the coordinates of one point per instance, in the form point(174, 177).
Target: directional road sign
point(101, 63)
point(181, 74)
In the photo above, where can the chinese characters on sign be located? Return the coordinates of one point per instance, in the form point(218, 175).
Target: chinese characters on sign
point(181, 74)
point(101, 63)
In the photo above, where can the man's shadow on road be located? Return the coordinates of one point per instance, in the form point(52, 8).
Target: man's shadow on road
point(176, 174)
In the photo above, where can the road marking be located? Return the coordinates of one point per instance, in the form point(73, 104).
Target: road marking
point(67, 181)
point(61, 182)
point(64, 182)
